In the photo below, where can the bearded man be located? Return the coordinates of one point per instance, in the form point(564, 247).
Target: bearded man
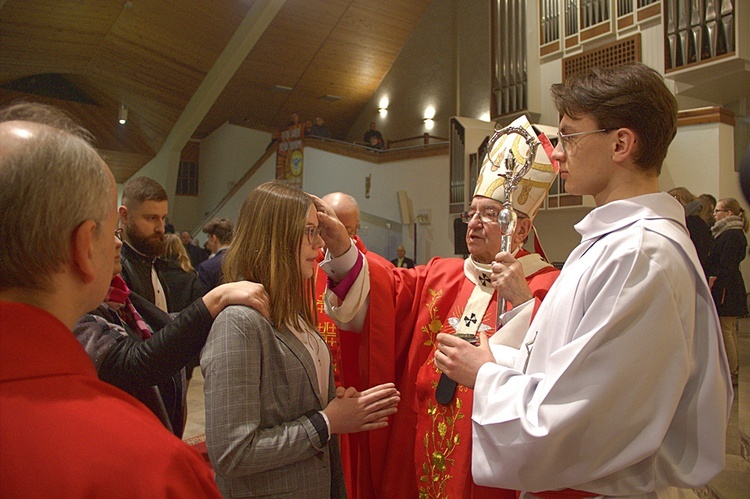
point(142, 215)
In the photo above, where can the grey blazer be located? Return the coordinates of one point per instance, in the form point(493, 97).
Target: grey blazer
point(263, 433)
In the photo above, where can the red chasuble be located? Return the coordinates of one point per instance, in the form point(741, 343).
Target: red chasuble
point(443, 444)
point(408, 308)
point(345, 353)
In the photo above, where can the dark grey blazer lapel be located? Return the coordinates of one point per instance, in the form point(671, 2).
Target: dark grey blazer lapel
point(286, 336)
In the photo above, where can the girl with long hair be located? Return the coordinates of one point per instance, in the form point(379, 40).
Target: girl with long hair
point(272, 412)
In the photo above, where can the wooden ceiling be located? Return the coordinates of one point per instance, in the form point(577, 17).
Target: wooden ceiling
point(88, 56)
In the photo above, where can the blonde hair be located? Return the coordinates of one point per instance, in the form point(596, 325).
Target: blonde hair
point(735, 209)
point(266, 248)
point(174, 250)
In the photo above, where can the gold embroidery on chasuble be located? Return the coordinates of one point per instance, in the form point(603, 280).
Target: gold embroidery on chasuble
point(435, 324)
point(442, 438)
point(329, 332)
point(434, 474)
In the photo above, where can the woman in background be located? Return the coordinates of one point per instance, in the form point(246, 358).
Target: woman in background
point(697, 214)
point(272, 412)
point(183, 283)
point(181, 277)
point(725, 279)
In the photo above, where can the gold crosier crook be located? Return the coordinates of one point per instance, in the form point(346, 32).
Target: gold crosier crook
point(513, 172)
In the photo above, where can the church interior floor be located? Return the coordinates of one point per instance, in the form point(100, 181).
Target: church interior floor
point(732, 483)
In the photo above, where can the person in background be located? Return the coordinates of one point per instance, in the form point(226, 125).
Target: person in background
point(64, 432)
point(374, 138)
point(180, 275)
point(142, 215)
point(320, 129)
point(697, 212)
point(219, 232)
point(682, 195)
point(182, 279)
point(620, 386)
point(196, 254)
point(272, 411)
point(727, 286)
point(712, 202)
point(401, 260)
point(344, 345)
point(698, 215)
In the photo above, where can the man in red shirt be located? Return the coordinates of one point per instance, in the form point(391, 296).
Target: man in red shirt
point(64, 432)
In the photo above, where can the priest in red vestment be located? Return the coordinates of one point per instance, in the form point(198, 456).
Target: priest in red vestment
point(426, 450)
point(344, 345)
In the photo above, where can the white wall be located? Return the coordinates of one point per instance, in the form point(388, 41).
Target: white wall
point(225, 156)
point(266, 173)
point(424, 179)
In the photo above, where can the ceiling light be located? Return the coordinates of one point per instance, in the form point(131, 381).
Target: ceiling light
point(123, 115)
point(281, 88)
point(330, 97)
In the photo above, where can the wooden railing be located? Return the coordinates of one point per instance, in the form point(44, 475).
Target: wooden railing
point(425, 138)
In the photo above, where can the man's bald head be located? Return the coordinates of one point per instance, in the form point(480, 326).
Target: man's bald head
point(53, 181)
point(346, 209)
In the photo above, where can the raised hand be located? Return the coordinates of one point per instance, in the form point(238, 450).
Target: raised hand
point(332, 231)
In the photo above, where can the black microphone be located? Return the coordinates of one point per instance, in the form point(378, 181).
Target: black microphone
point(447, 387)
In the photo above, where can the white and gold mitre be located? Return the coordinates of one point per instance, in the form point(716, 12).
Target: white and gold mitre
point(533, 187)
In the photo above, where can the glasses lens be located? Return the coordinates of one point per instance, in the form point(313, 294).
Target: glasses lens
point(312, 233)
point(118, 234)
point(467, 216)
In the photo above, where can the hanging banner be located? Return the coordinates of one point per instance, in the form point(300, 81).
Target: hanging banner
point(290, 156)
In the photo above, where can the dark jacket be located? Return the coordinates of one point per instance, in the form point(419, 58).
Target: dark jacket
point(728, 290)
point(209, 272)
point(184, 287)
point(136, 271)
point(151, 370)
point(408, 263)
point(197, 255)
point(700, 234)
